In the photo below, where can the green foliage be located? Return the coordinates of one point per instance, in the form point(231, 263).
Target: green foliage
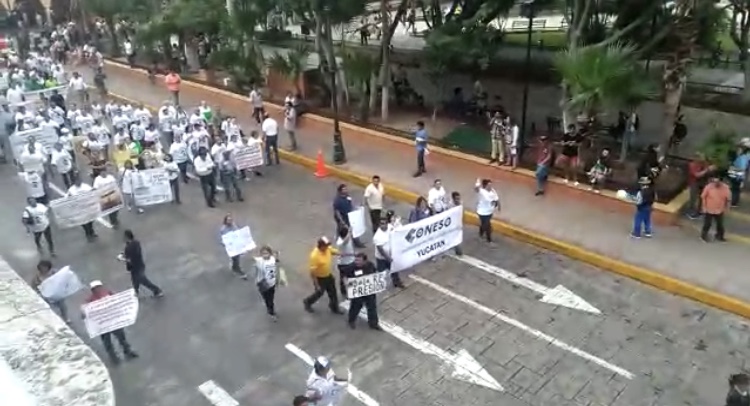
point(244, 64)
point(601, 78)
point(718, 146)
point(192, 17)
point(293, 63)
point(340, 11)
point(359, 67)
point(460, 46)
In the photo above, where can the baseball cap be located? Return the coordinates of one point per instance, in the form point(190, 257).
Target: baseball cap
point(95, 284)
point(324, 240)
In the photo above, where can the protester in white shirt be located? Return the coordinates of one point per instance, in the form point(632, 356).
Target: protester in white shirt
point(271, 138)
point(85, 121)
point(437, 198)
point(35, 186)
point(173, 172)
point(120, 120)
point(127, 111)
point(104, 179)
point(382, 242)
point(204, 168)
point(128, 176)
point(179, 153)
point(63, 163)
point(142, 115)
point(167, 116)
point(33, 157)
point(77, 86)
point(323, 386)
point(36, 219)
point(15, 95)
point(345, 259)
point(196, 118)
point(487, 202)
point(78, 188)
point(267, 274)
point(373, 200)
point(290, 124)
point(151, 137)
point(217, 150)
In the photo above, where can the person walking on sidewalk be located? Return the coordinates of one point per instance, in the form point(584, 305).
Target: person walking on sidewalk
point(321, 259)
point(256, 99)
point(698, 172)
point(644, 201)
point(290, 123)
point(543, 162)
point(98, 291)
point(420, 140)
point(487, 202)
point(132, 255)
point(373, 200)
point(715, 200)
point(228, 226)
point(173, 82)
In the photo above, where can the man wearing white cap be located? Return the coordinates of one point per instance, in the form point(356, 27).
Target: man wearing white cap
point(323, 386)
point(98, 291)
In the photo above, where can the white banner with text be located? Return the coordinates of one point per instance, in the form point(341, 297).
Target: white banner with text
point(424, 239)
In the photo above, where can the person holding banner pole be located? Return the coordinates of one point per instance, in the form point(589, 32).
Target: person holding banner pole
point(267, 273)
point(102, 179)
point(36, 219)
point(382, 242)
point(173, 172)
point(44, 271)
point(487, 202)
point(228, 226)
point(78, 188)
point(362, 267)
point(136, 265)
point(98, 291)
point(456, 202)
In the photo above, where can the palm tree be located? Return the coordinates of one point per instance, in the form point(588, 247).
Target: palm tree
point(360, 69)
point(292, 65)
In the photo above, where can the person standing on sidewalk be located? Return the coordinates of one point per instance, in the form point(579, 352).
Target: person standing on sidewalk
point(698, 171)
point(373, 200)
point(98, 291)
point(320, 262)
point(290, 124)
point(543, 162)
point(644, 202)
point(256, 99)
point(487, 202)
point(497, 138)
point(173, 82)
point(571, 143)
point(270, 130)
point(420, 141)
point(135, 264)
point(227, 226)
point(737, 173)
point(715, 200)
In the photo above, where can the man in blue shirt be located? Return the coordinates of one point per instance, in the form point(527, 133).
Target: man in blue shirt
point(420, 140)
point(342, 206)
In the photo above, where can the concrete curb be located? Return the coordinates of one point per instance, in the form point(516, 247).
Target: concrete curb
point(644, 275)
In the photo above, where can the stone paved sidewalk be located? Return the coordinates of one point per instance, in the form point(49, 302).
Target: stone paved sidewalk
point(673, 251)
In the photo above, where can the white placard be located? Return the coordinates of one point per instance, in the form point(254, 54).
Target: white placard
point(238, 242)
point(248, 156)
point(366, 285)
point(110, 199)
point(357, 222)
point(151, 186)
point(60, 285)
point(46, 136)
point(72, 211)
point(111, 313)
point(422, 240)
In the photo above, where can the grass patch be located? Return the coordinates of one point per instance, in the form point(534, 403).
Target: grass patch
point(468, 139)
point(549, 39)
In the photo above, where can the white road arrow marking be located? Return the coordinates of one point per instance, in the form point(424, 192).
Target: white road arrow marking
point(464, 366)
point(216, 394)
point(353, 390)
point(515, 323)
point(558, 296)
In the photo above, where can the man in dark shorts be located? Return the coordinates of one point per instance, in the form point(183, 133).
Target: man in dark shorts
point(568, 161)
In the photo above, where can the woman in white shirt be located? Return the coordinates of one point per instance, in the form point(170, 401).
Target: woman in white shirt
point(487, 202)
point(267, 275)
point(437, 198)
point(128, 176)
point(35, 218)
point(173, 172)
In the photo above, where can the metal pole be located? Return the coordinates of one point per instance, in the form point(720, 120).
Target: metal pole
point(522, 135)
point(339, 153)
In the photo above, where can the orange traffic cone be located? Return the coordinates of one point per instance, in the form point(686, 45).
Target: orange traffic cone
point(320, 168)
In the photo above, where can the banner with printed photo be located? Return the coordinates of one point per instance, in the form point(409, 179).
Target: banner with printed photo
point(419, 241)
point(46, 136)
point(151, 186)
point(60, 285)
point(110, 199)
point(238, 242)
point(72, 211)
point(110, 313)
point(249, 156)
point(366, 285)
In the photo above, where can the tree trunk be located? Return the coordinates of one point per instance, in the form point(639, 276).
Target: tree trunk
point(363, 102)
point(745, 59)
point(373, 92)
point(385, 70)
point(674, 83)
point(191, 54)
point(115, 48)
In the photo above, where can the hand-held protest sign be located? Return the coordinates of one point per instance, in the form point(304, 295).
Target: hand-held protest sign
point(357, 222)
point(151, 186)
point(238, 242)
point(366, 285)
point(72, 211)
point(60, 285)
point(424, 239)
point(111, 313)
point(248, 156)
point(110, 199)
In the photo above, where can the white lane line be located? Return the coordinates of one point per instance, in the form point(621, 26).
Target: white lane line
point(191, 176)
point(60, 192)
point(353, 390)
point(515, 323)
point(558, 296)
point(216, 395)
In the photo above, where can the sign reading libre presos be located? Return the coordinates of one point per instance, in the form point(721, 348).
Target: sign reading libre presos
point(366, 285)
point(420, 241)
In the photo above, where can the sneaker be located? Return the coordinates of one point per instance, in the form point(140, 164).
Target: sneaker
point(693, 216)
point(637, 237)
point(274, 318)
point(160, 294)
point(131, 355)
point(538, 193)
point(308, 308)
point(705, 239)
point(140, 211)
point(648, 235)
point(376, 327)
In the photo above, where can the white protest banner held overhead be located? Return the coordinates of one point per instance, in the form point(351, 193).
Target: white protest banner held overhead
point(61, 284)
point(357, 222)
point(151, 187)
point(422, 240)
point(248, 156)
point(111, 313)
point(366, 285)
point(238, 242)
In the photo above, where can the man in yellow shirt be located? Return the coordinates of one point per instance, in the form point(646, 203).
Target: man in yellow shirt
point(321, 260)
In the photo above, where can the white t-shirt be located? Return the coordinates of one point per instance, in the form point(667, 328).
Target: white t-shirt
point(436, 199)
point(33, 162)
point(179, 152)
point(172, 170)
point(101, 181)
point(77, 190)
point(485, 199)
point(266, 269)
point(142, 115)
point(120, 121)
point(39, 214)
point(203, 166)
point(346, 251)
point(62, 160)
point(127, 176)
point(382, 239)
point(151, 135)
point(34, 184)
point(256, 99)
point(77, 83)
point(270, 127)
point(14, 95)
point(374, 197)
point(85, 122)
